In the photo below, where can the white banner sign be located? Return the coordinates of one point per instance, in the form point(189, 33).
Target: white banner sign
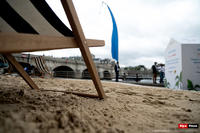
point(182, 66)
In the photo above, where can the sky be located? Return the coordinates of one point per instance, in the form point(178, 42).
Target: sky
point(145, 27)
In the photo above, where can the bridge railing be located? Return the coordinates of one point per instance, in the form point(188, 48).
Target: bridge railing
point(86, 75)
point(64, 74)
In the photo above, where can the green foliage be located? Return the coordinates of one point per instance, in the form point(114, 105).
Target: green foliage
point(129, 68)
point(177, 83)
point(138, 68)
point(166, 84)
point(181, 77)
point(197, 86)
point(191, 86)
point(177, 77)
point(178, 80)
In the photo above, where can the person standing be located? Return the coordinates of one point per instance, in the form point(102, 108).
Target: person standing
point(154, 70)
point(137, 77)
point(162, 73)
point(124, 76)
point(117, 67)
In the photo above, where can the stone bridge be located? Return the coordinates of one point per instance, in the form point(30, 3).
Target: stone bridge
point(66, 67)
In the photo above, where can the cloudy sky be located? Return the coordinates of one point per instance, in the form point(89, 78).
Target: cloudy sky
point(145, 27)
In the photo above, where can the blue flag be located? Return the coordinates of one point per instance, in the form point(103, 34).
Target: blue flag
point(114, 47)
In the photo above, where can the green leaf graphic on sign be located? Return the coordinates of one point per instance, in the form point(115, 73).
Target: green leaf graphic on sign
point(177, 83)
point(167, 84)
point(178, 80)
point(181, 77)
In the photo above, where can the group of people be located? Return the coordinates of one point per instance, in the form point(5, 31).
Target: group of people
point(158, 68)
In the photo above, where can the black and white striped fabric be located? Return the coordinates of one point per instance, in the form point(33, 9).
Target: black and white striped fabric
point(40, 64)
point(30, 16)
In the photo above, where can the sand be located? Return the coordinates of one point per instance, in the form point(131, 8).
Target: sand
point(127, 108)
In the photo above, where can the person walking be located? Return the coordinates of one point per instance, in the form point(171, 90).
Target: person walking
point(154, 70)
point(117, 67)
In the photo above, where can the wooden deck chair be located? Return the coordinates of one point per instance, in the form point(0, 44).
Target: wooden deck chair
point(41, 66)
point(31, 25)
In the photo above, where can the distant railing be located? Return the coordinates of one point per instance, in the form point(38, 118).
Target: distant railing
point(64, 74)
point(86, 75)
point(144, 74)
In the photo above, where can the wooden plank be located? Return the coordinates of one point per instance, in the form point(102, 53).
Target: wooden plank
point(75, 93)
point(15, 43)
point(21, 71)
point(82, 43)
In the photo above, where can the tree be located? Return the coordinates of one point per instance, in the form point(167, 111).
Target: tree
point(136, 68)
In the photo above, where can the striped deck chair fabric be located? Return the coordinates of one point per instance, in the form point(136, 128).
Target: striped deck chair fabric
point(32, 22)
point(41, 65)
point(33, 16)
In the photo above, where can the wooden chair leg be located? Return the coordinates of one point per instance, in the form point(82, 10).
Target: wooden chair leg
point(82, 43)
point(20, 70)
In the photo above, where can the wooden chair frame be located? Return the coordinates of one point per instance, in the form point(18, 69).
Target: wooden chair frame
point(17, 42)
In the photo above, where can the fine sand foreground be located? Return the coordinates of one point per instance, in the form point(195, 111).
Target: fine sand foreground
point(128, 108)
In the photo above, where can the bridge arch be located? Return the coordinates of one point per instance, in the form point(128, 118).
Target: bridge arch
point(64, 72)
point(86, 74)
point(107, 75)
